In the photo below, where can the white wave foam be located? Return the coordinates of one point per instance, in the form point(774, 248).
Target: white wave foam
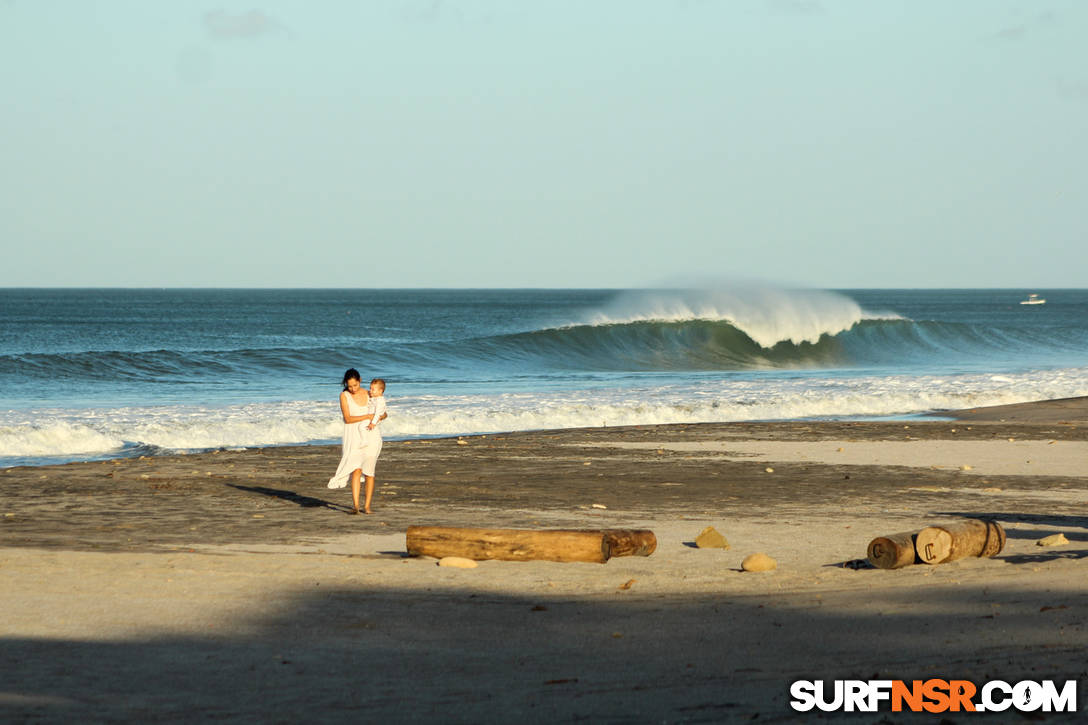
point(101, 432)
point(55, 438)
point(766, 314)
point(725, 401)
point(763, 397)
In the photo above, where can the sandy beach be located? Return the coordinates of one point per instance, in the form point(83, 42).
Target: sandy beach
point(232, 585)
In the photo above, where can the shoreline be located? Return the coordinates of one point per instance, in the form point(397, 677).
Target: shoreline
point(1060, 410)
point(233, 584)
point(190, 493)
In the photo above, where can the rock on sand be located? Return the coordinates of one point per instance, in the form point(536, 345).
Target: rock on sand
point(758, 562)
point(457, 562)
point(711, 539)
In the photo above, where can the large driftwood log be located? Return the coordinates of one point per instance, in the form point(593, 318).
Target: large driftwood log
point(971, 537)
point(892, 551)
point(595, 546)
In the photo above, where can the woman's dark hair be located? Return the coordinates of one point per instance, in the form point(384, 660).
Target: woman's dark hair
point(351, 374)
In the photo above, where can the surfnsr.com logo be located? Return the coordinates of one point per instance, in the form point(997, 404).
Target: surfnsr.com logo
point(933, 696)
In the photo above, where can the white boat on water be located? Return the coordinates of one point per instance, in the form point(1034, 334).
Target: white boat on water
point(1033, 299)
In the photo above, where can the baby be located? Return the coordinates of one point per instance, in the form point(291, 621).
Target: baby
point(376, 406)
point(372, 440)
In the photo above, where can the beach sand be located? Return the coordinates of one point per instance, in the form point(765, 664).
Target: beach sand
point(232, 585)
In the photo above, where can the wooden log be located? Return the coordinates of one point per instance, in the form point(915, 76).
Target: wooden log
point(595, 546)
point(893, 551)
point(971, 537)
point(631, 542)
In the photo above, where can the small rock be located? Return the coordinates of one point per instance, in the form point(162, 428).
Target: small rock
point(966, 467)
point(768, 469)
point(599, 506)
point(711, 539)
point(839, 450)
point(457, 562)
point(1053, 540)
point(758, 562)
point(588, 463)
point(628, 584)
point(462, 442)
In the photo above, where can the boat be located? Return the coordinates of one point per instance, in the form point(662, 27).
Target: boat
point(1033, 299)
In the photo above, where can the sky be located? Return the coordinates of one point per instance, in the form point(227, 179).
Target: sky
point(557, 143)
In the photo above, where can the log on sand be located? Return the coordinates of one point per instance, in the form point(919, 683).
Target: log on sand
point(893, 551)
point(971, 537)
point(595, 545)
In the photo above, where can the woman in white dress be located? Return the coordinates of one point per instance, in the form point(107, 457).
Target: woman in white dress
point(353, 406)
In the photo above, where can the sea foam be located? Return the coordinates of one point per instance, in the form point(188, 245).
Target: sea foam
point(32, 439)
point(102, 433)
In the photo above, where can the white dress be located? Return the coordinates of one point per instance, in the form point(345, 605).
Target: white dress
point(352, 456)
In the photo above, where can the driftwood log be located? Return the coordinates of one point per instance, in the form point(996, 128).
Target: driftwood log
point(971, 537)
point(893, 551)
point(595, 545)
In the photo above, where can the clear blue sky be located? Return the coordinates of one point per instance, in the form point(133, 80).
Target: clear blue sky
point(547, 144)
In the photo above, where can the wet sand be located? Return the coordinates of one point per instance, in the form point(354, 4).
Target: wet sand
point(234, 584)
point(1060, 410)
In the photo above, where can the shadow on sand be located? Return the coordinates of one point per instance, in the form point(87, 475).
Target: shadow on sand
point(1041, 521)
point(396, 655)
point(292, 497)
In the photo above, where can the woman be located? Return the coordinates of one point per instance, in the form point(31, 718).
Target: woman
point(353, 404)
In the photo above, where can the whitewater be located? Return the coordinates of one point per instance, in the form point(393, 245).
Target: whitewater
point(88, 374)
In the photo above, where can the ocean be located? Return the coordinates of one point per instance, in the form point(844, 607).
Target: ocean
point(91, 374)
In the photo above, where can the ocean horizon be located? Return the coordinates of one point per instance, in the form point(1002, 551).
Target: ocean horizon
point(97, 373)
